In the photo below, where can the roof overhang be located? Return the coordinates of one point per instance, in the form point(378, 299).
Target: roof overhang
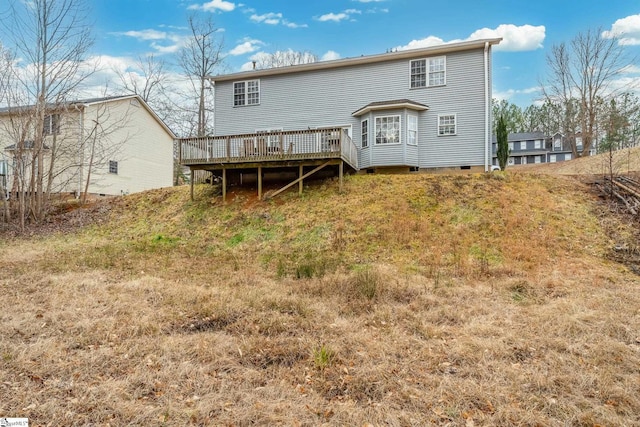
point(370, 59)
point(390, 105)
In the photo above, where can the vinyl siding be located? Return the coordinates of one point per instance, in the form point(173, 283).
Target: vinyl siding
point(144, 151)
point(328, 97)
point(130, 135)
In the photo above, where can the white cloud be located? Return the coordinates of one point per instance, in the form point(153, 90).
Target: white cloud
point(353, 12)
point(161, 41)
point(270, 18)
point(213, 5)
point(510, 93)
point(335, 17)
point(514, 38)
point(248, 46)
point(273, 18)
point(144, 34)
point(626, 30)
point(426, 42)
point(631, 69)
point(330, 56)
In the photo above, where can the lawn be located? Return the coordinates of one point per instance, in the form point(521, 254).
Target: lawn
point(459, 300)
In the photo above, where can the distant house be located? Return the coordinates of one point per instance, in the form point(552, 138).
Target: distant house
point(117, 143)
point(525, 148)
point(561, 146)
point(420, 109)
point(535, 147)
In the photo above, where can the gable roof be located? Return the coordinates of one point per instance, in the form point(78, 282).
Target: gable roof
point(83, 103)
point(369, 59)
point(522, 136)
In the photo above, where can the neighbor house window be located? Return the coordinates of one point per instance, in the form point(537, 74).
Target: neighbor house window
point(113, 167)
point(388, 130)
point(246, 93)
point(412, 130)
point(51, 124)
point(447, 124)
point(428, 72)
point(365, 133)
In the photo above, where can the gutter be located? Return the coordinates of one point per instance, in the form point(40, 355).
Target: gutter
point(487, 107)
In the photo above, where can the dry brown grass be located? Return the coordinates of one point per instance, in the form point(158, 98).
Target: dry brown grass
point(619, 162)
point(445, 300)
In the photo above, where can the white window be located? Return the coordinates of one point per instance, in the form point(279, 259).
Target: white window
point(412, 130)
point(537, 159)
point(510, 146)
point(388, 130)
point(365, 133)
point(246, 93)
point(113, 167)
point(428, 72)
point(538, 144)
point(51, 124)
point(447, 125)
point(552, 158)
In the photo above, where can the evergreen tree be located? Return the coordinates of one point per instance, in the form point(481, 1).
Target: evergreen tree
point(503, 145)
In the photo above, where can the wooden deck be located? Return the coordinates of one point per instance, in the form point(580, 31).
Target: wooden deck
point(282, 149)
point(264, 148)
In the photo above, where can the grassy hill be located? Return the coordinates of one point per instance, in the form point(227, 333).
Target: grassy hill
point(406, 300)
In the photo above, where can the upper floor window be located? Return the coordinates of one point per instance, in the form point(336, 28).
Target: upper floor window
point(388, 130)
point(51, 124)
point(365, 133)
point(246, 93)
point(428, 72)
point(113, 167)
point(447, 125)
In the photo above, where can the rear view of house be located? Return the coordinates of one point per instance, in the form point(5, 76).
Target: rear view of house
point(420, 109)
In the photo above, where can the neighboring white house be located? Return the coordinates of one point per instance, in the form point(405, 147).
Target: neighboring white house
point(117, 144)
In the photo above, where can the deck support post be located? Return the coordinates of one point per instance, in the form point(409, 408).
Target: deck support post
point(341, 173)
point(191, 181)
point(300, 184)
point(224, 184)
point(259, 182)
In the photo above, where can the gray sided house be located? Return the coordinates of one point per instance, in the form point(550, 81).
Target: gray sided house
point(421, 109)
point(524, 148)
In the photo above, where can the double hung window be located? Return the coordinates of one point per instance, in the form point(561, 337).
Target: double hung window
point(246, 93)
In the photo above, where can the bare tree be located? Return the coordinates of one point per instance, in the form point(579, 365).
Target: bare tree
point(580, 76)
point(147, 81)
point(198, 60)
point(52, 37)
point(284, 58)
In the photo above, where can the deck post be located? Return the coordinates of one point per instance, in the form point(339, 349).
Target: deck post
point(228, 148)
point(259, 182)
point(191, 181)
point(341, 173)
point(224, 184)
point(300, 184)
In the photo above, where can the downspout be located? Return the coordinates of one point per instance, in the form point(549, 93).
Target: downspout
point(80, 149)
point(487, 107)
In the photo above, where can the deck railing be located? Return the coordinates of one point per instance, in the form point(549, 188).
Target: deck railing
point(309, 144)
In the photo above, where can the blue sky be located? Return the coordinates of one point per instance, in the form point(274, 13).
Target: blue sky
point(125, 29)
